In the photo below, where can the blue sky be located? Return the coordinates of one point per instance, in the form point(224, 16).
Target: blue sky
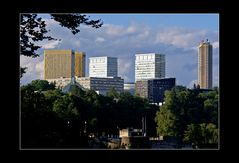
point(196, 21)
point(123, 35)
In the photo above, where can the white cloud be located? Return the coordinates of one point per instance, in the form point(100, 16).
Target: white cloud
point(113, 30)
point(215, 44)
point(181, 37)
point(131, 29)
point(99, 39)
point(124, 66)
point(40, 68)
point(51, 44)
point(34, 68)
point(191, 84)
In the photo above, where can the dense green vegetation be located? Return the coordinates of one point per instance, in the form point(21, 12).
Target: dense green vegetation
point(50, 118)
point(189, 115)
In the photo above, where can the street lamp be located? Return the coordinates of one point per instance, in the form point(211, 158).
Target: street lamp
point(85, 127)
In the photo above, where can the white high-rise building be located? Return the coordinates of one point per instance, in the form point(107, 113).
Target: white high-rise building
point(103, 67)
point(149, 65)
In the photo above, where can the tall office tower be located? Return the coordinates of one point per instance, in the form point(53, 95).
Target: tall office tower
point(148, 66)
point(63, 63)
point(205, 65)
point(80, 64)
point(103, 67)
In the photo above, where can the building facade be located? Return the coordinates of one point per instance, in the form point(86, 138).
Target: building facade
point(80, 64)
point(63, 63)
point(100, 85)
point(149, 65)
point(153, 89)
point(103, 67)
point(205, 65)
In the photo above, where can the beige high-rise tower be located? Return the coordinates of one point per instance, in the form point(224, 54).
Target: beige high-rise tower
point(63, 63)
point(80, 64)
point(205, 65)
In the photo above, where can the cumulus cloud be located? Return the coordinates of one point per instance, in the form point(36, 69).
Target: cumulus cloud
point(191, 84)
point(123, 68)
point(51, 44)
point(34, 68)
point(180, 45)
point(99, 39)
point(182, 37)
point(215, 44)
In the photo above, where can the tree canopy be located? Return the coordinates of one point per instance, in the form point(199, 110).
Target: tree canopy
point(188, 114)
point(63, 119)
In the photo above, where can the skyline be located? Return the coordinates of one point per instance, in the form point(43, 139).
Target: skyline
point(124, 35)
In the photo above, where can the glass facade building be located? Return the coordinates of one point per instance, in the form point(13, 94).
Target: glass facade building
point(149, 65)
point(103, 67)
point(153, 89)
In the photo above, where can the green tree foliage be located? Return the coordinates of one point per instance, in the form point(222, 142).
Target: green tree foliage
point(182, 109)
point(201, 134)
point(166, 122)
point(42, 85)
point(113, 93)
point(39, 126)
point(65, 107)
point(33, 29)
point(51, 118)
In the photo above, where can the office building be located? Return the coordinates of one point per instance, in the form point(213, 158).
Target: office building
point(63, 63)
point(100, 85)
point(80, 64)
point(205, 65)
point(103, 67)
point(153, 89)
point(150, 65)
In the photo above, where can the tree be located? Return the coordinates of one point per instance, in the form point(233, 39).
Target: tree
point(182, 109)
point(65, 107)
point(39, 125)
point(202, 135)
point(166, 122)
point(33, 29)
point(42, 85)
point(113, 93)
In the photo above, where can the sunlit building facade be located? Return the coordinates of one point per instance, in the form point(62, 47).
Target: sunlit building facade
point(205, 65)
point(103, 67)
point(63, 63)
point(149, 65)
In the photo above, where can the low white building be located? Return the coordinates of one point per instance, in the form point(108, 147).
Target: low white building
point(100, 85)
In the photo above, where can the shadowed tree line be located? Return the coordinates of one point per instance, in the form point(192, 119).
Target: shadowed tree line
point(52, 119)
point(190, 116)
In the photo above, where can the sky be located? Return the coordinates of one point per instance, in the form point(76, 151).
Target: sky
point(124, 35)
